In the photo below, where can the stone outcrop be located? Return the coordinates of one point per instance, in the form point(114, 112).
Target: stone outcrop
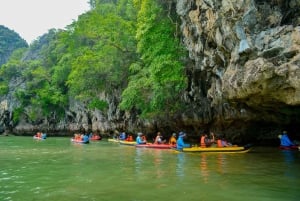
point(243, 76)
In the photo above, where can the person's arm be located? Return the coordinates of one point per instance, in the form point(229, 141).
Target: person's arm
point(213, 137)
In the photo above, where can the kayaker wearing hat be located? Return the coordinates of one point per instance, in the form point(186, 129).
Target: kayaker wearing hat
point(172, 140)
point(180, 141)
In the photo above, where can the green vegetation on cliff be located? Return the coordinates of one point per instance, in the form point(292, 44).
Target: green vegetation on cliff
point(156, 80)
point(126, 48)
point(9, 42)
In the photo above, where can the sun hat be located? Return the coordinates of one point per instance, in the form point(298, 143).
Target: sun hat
point(181, 133)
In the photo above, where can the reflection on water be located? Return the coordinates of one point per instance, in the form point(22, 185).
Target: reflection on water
point(210, 162)
point(138, 161)
point(158, 163)
point(149, 157)
point(204, 168)
point(289, 157)
point(221, 161)
point(180, 164)
point(58, 170)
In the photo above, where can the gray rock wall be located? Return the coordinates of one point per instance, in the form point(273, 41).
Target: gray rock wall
point(245, 63)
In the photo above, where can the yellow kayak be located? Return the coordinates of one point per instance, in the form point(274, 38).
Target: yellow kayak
point(130, 143)
point(233, 149)
point(113, 140)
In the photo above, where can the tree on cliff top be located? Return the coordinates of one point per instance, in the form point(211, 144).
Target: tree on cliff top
point(9, 41)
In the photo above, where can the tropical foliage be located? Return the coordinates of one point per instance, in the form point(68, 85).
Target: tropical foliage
point(157, 79)
point(9, 41)
point(125, 48)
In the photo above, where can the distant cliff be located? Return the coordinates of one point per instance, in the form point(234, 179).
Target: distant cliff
point(9, 41)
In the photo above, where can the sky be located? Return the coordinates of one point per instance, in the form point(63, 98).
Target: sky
point(33, 18)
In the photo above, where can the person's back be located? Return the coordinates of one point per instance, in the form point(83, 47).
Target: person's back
point(129, 138)
point(180, 141)
point(219, 143)
point(139, 140)
point(285, 140)
point(203, 140)
point(44, 136)
point(172, 140)
point(85, 139)
point(123, 136)
point(158, 139)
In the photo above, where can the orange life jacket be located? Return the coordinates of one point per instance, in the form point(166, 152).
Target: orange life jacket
point(172, 140)
point(202, 141)
point(219, 143)
point(129, 138)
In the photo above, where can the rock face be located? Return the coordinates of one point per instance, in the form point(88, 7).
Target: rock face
point(243, 76)
point(245, 63)
point(9, 42)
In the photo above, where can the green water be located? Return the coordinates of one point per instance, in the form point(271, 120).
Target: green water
point(57, 170)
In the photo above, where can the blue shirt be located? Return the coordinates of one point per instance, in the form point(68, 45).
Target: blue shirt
point(123, 136)
point(285, 141)
point(180, 143)
point(85, 138)
point(139, 140)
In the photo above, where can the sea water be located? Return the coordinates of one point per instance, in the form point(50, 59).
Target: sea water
point(56, 169)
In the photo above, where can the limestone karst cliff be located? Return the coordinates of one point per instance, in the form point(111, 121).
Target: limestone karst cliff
point(242, 69)
point(244, 72)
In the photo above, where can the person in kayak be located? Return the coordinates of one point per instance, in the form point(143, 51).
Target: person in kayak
point(38, 134)
point(44, 136)
point(122, 136)
point(158, 139)
point(139, 139)
point(86, 139)
point(180, 141)
point(205, 141)
point(129, 138)
point(285, 140)
point(172, 140)
point(221, 142)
